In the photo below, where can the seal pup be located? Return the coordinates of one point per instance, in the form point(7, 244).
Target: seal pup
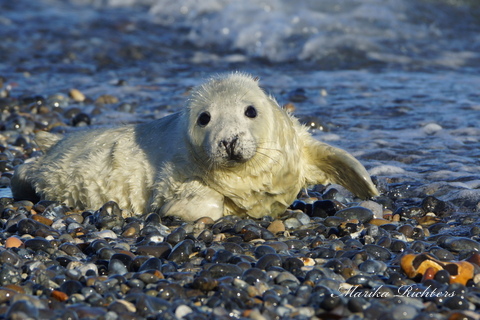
point(232, 150)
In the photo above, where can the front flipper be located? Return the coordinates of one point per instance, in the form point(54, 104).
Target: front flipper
point(194, 203)
point(334, 165)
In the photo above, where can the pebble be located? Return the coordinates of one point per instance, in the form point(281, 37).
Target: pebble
point(76, 95)
point(459, 244)
point(276, 226)
point(13, 242)
point(182, 311)
point(106, 99)
point(359, 213)
point(181, 252)
point(324, 208)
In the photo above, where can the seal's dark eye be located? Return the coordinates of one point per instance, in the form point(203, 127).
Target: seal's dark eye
point(251, 112)
point(203, 119)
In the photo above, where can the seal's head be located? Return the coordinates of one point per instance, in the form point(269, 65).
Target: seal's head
point(228, 119)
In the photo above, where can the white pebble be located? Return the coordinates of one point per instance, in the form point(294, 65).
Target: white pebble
point(89, 266)
point(107, 234)
point(376, 208)
point(182, 311)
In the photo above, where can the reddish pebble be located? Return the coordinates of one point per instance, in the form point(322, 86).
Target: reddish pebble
point(429, 274)
point(59, 295)
point(13, 242)
point(42, 219)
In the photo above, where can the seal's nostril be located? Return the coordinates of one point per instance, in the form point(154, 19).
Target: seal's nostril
point(230, 148)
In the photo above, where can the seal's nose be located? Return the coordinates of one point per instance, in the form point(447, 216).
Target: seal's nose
point(230, 148)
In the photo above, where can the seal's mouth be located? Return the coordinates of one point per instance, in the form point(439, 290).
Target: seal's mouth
point(234, 162)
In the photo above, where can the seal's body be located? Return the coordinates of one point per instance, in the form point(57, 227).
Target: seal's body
point(233, 150)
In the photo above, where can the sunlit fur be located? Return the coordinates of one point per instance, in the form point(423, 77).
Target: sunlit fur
point(177, 167)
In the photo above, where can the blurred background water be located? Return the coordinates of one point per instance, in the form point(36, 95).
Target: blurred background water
point(395, 82)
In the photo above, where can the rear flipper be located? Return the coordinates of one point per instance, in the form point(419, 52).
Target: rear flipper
point(334, 165)
point(22, 188)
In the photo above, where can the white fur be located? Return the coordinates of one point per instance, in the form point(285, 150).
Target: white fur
point(235, 164)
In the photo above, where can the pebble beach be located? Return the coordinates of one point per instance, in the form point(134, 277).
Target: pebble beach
point(410, 113)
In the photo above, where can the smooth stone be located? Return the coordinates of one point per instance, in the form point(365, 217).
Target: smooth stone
point(182, 251)
point(262, 250)
point(13, 242)
point(176, 236)
point(6, 294)
point(286, 276)
point(22, 309)
point(125, 258)
point(116, 266)
point(182, 311)
point(442, 254)
point(109, 216)
point(220, 270)
point(324, 208)
point(38, 244)
point(293, 265)
point(71, 286)
point(151, 264)
point(161, 250)
point(222, 256)
point(10, 257)
point(206, 236)
point(292, 223)
point(333, 221)
point(84, 268)
point(254, 275)
point(76, 95)
point(398, 246)
point(28, 226)
point(74, 227)
point(360, 213)
point(70, 249)
point(375, 207)
point(457, 303)
point(295, 244)
point(459, 244)
point(120, 306)
point(106, 234)
point(205, 283)
point(129, 232)
point(372, 266)
point(406, 229)
point(278, 246)
point(302, 217)
point(276, 226)
point(269, 260)
point(360, 280)
point(377, 252)
point(42, 219)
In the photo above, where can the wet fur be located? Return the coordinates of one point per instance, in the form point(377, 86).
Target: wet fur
point(175, 166)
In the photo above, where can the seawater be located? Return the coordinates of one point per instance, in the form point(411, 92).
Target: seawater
point(396, 83)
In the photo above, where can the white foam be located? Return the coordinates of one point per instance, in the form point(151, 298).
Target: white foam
point(385, 170)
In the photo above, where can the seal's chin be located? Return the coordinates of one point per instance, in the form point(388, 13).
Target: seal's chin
point(230, 163)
